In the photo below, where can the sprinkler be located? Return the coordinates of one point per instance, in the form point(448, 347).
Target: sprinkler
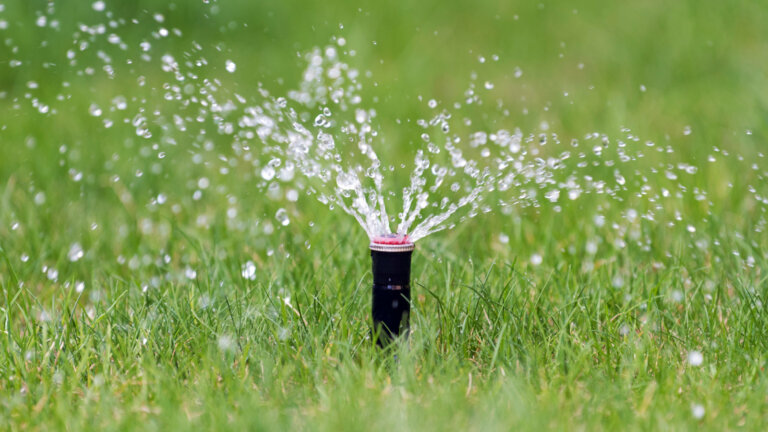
point(391, 302)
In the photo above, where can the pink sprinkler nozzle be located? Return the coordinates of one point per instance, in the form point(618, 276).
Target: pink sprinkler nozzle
point(391, 239)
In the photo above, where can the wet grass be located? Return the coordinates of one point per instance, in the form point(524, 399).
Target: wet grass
point(156, 327)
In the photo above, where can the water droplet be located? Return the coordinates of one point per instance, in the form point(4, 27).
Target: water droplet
point(591, 247)
point(698, 411)
point(94, 110)
point(40, 198)
point(360, 115)
point(52, 274)
point(695, 358)
point(226, 343)
point(268, 173)
point(249, 271)
point(75, 252)
point(282, 216)
point(190, 273)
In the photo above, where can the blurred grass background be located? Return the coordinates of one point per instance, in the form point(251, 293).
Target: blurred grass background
point(655, 68)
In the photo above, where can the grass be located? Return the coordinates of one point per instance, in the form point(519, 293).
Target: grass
point(166, 332)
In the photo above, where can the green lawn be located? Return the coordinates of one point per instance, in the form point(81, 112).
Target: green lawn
point(130, 301)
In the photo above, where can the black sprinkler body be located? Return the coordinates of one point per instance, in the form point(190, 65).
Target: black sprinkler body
point(391, 300)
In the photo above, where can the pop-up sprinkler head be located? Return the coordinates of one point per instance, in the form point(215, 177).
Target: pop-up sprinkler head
point(391, 305)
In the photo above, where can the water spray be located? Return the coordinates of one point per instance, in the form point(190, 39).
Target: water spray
point(320, 139)
point(391, 292)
